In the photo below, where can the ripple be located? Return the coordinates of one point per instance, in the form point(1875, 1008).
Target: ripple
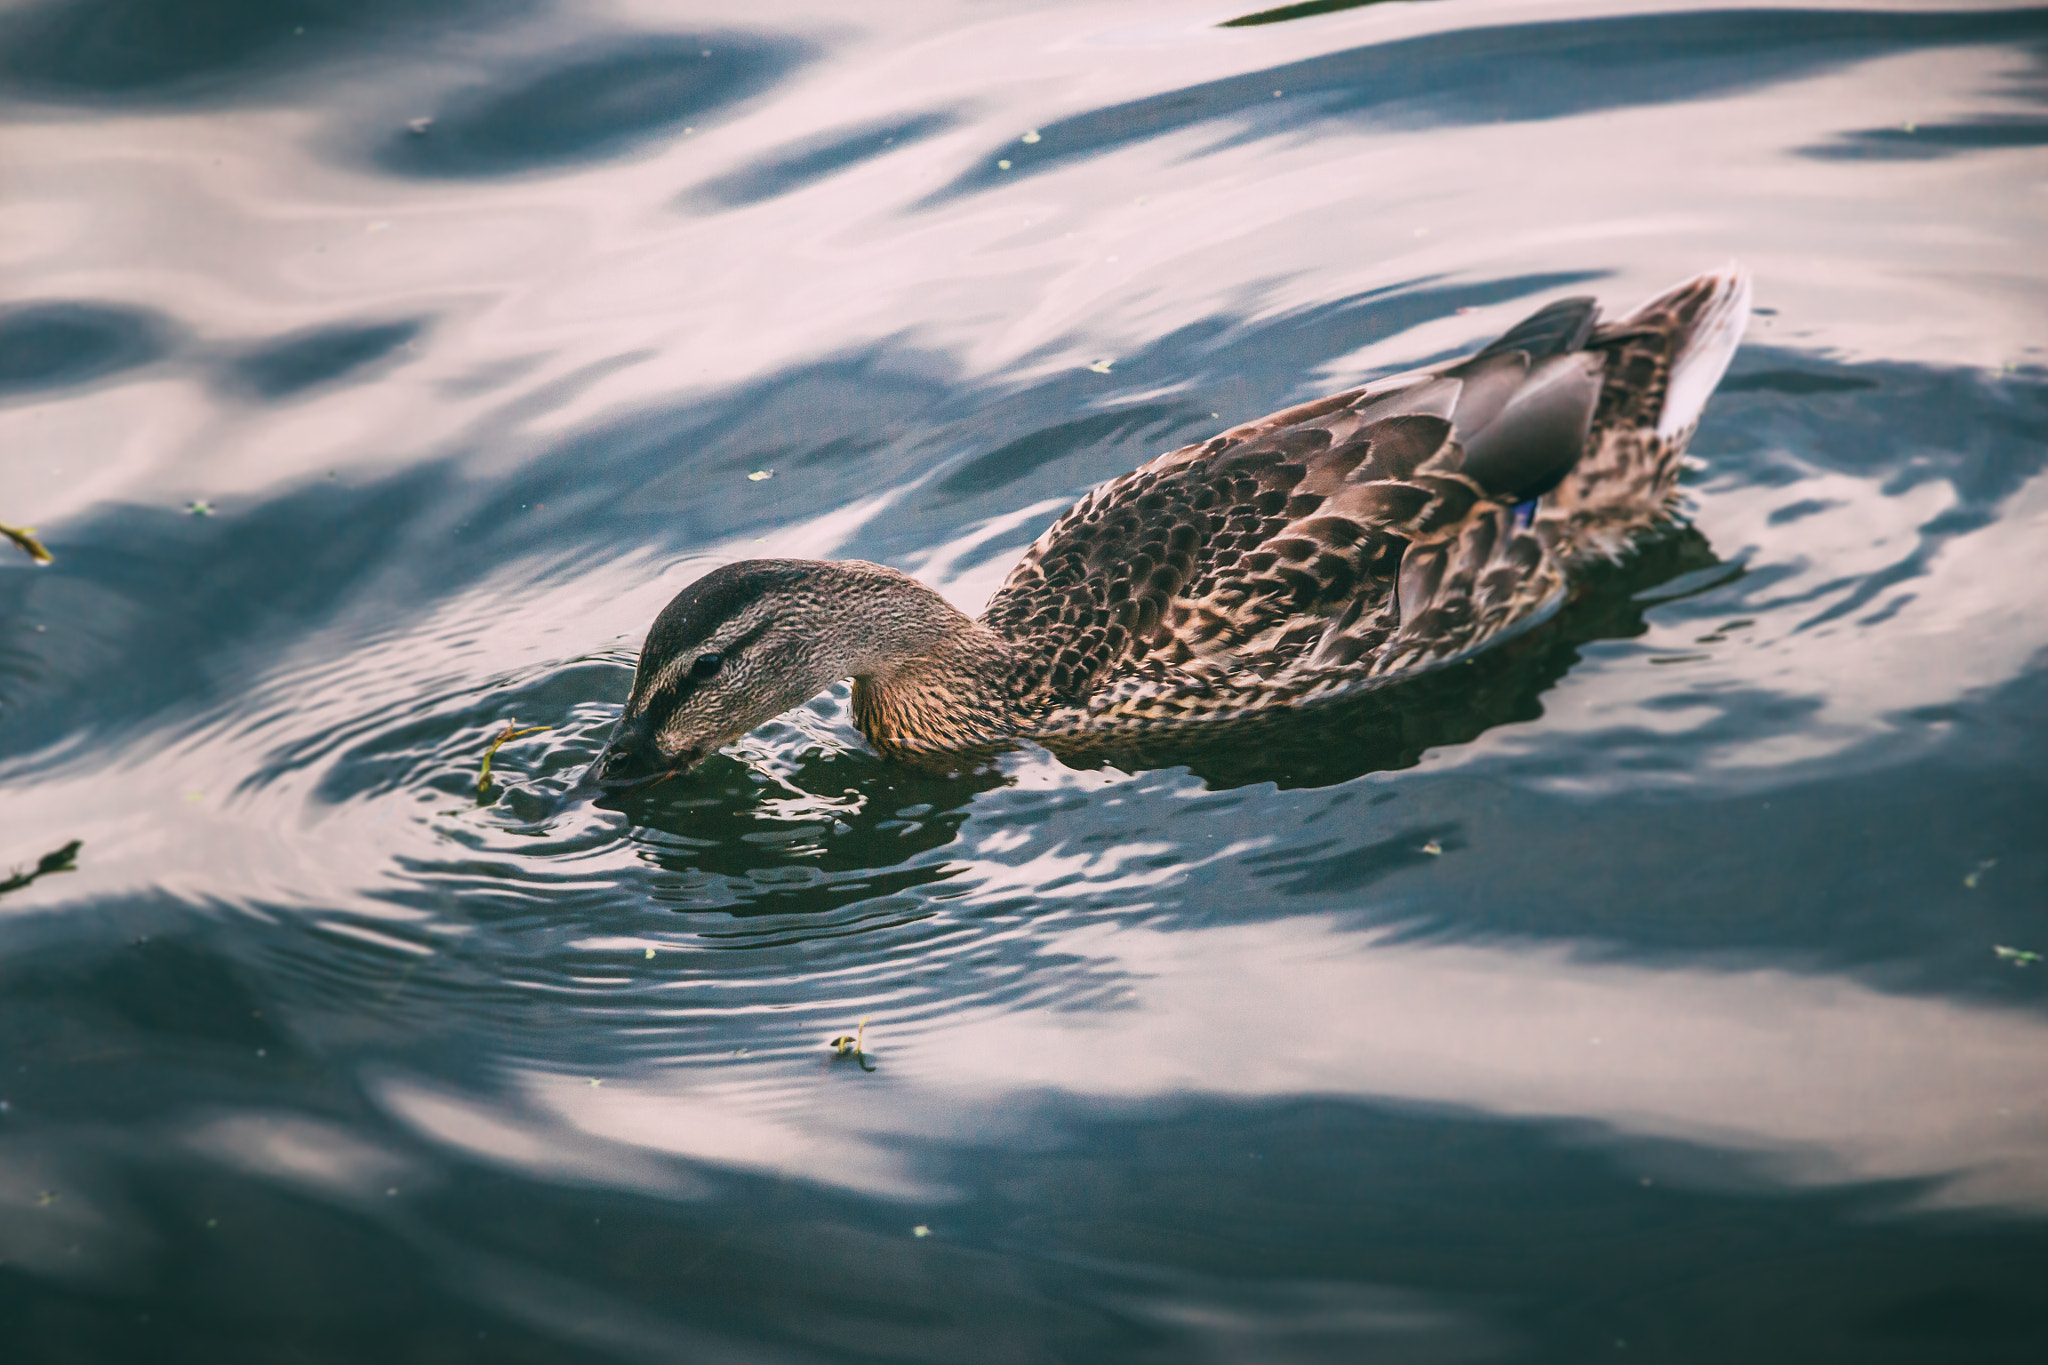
point(592, 104)
point(188, 50)
point(291, 365)
point(1350, 1035)
point(46, 346)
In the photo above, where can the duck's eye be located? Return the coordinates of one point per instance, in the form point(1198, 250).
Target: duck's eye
point(706, 665)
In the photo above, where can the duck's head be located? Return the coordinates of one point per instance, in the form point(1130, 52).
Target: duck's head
point(748, 641)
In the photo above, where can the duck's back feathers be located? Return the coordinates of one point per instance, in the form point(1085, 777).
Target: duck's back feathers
point(1365, 536)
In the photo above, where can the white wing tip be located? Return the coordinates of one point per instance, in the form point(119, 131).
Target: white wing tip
point(1710, 343)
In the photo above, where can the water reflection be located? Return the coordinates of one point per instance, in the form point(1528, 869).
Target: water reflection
point(791, 168)
point(1649, 965)
point(1515, 72)
point(1771, 1064)
point(585, 105)
point(1924, 142)
point(46, 346)
point(179, 51)
point(292, 365)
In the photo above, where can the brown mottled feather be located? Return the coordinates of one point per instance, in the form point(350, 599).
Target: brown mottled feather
point(1355, 540)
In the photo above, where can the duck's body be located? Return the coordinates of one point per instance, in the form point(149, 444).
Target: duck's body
point(1328, 549)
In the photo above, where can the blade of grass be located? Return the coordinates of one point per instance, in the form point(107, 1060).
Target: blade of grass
point(511, 732)
point(25, 537)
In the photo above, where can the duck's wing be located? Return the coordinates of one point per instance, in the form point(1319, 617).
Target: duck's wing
point(1370, 532)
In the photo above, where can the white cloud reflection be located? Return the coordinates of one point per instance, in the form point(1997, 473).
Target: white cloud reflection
point(1812, 1079)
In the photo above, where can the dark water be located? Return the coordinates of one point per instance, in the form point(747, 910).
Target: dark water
point(375, 371)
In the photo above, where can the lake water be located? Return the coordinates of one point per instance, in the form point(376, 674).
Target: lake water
point(375, 371)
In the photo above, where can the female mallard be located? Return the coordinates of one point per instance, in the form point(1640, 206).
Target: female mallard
point(1326, 550)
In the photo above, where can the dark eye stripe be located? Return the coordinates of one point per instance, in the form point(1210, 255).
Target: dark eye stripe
point(685, 682)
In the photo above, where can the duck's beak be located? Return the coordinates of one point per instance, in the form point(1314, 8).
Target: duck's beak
point(630, 761)
point(612, 774)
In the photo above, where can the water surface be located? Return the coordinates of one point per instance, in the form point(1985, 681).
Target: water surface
point(375, 372)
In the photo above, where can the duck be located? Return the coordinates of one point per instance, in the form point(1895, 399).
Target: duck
point(1363, 540)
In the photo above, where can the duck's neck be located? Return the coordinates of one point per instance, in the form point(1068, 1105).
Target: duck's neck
point(925, 676)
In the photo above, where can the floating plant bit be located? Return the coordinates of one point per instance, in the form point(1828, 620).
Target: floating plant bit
point(2018, 957)
point(760, 474)
point(64, 859)
point(483, 778)
point(1101, 366)
point(852, 1044)
point(25, 537)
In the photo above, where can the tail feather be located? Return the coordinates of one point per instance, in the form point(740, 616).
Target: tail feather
point(1662, 364)
point(1718, 307)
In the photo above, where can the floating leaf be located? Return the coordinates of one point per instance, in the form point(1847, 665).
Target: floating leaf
point(64, 859)
point(1301, 10)
point(920, 1231)
point(1433, 849)
point(2018, 957)
point(25, 537)
point(852, 1045)
point(760, 474)
point(1100, 366)
point(1031, 136)
point(483, 778)
point(199, 507)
